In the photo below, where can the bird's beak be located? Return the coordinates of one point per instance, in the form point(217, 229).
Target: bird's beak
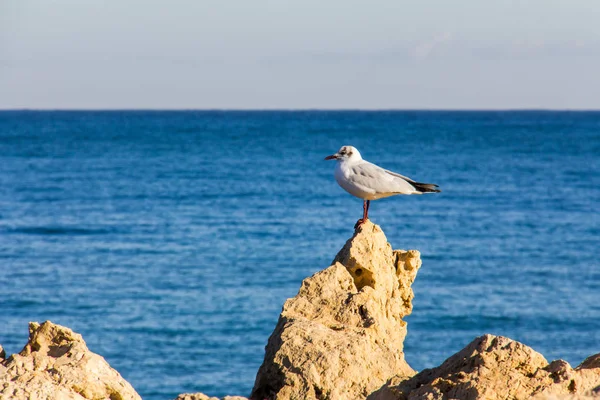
point(332, 157)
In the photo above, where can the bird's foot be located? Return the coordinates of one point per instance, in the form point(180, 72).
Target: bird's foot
point(360, 222)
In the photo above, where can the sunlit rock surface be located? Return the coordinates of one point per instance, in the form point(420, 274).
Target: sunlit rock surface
point(342, 336)
point(56, 364)
point(495, 367)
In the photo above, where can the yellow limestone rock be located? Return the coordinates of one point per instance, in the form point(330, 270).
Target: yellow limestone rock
point(57, 365)
point(202, 396)
point(342, 336)
point(494, 368)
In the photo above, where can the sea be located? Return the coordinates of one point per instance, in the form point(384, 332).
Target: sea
point(171, 239)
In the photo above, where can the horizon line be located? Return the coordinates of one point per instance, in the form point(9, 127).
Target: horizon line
point(219, 109)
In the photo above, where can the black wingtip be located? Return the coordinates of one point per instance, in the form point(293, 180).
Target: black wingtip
point(426, 187)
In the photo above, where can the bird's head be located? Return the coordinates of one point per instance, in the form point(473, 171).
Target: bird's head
point(346, 153)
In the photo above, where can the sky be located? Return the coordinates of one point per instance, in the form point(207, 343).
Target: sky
point(300, 54)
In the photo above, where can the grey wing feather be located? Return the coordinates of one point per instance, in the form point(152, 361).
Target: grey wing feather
point(379, 180)
point(419, 186)
point(406, 178)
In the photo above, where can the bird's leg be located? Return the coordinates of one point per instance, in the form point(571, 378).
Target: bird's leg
point(365, 217)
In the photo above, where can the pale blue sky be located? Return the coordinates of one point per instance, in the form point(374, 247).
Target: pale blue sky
point(300, 54)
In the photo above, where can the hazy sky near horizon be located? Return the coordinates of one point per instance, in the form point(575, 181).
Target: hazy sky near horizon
point(300, 54)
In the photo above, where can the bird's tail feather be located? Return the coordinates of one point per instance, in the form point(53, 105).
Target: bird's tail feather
point(426, 187)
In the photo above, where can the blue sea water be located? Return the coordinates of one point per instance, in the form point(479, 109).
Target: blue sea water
point(170, 240)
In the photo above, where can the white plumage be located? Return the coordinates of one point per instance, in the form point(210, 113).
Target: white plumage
point(368, 181)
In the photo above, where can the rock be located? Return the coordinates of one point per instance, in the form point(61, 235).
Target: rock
point(342, 336)
point(56, 364)
point(202, 396)
point(495, 367)
point(195, 396)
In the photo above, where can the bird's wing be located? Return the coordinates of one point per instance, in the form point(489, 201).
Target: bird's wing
point(419, 186)
point(379, 180)
point(406, 178)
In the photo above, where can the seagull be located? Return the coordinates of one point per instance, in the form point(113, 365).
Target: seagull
point(368, 181)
